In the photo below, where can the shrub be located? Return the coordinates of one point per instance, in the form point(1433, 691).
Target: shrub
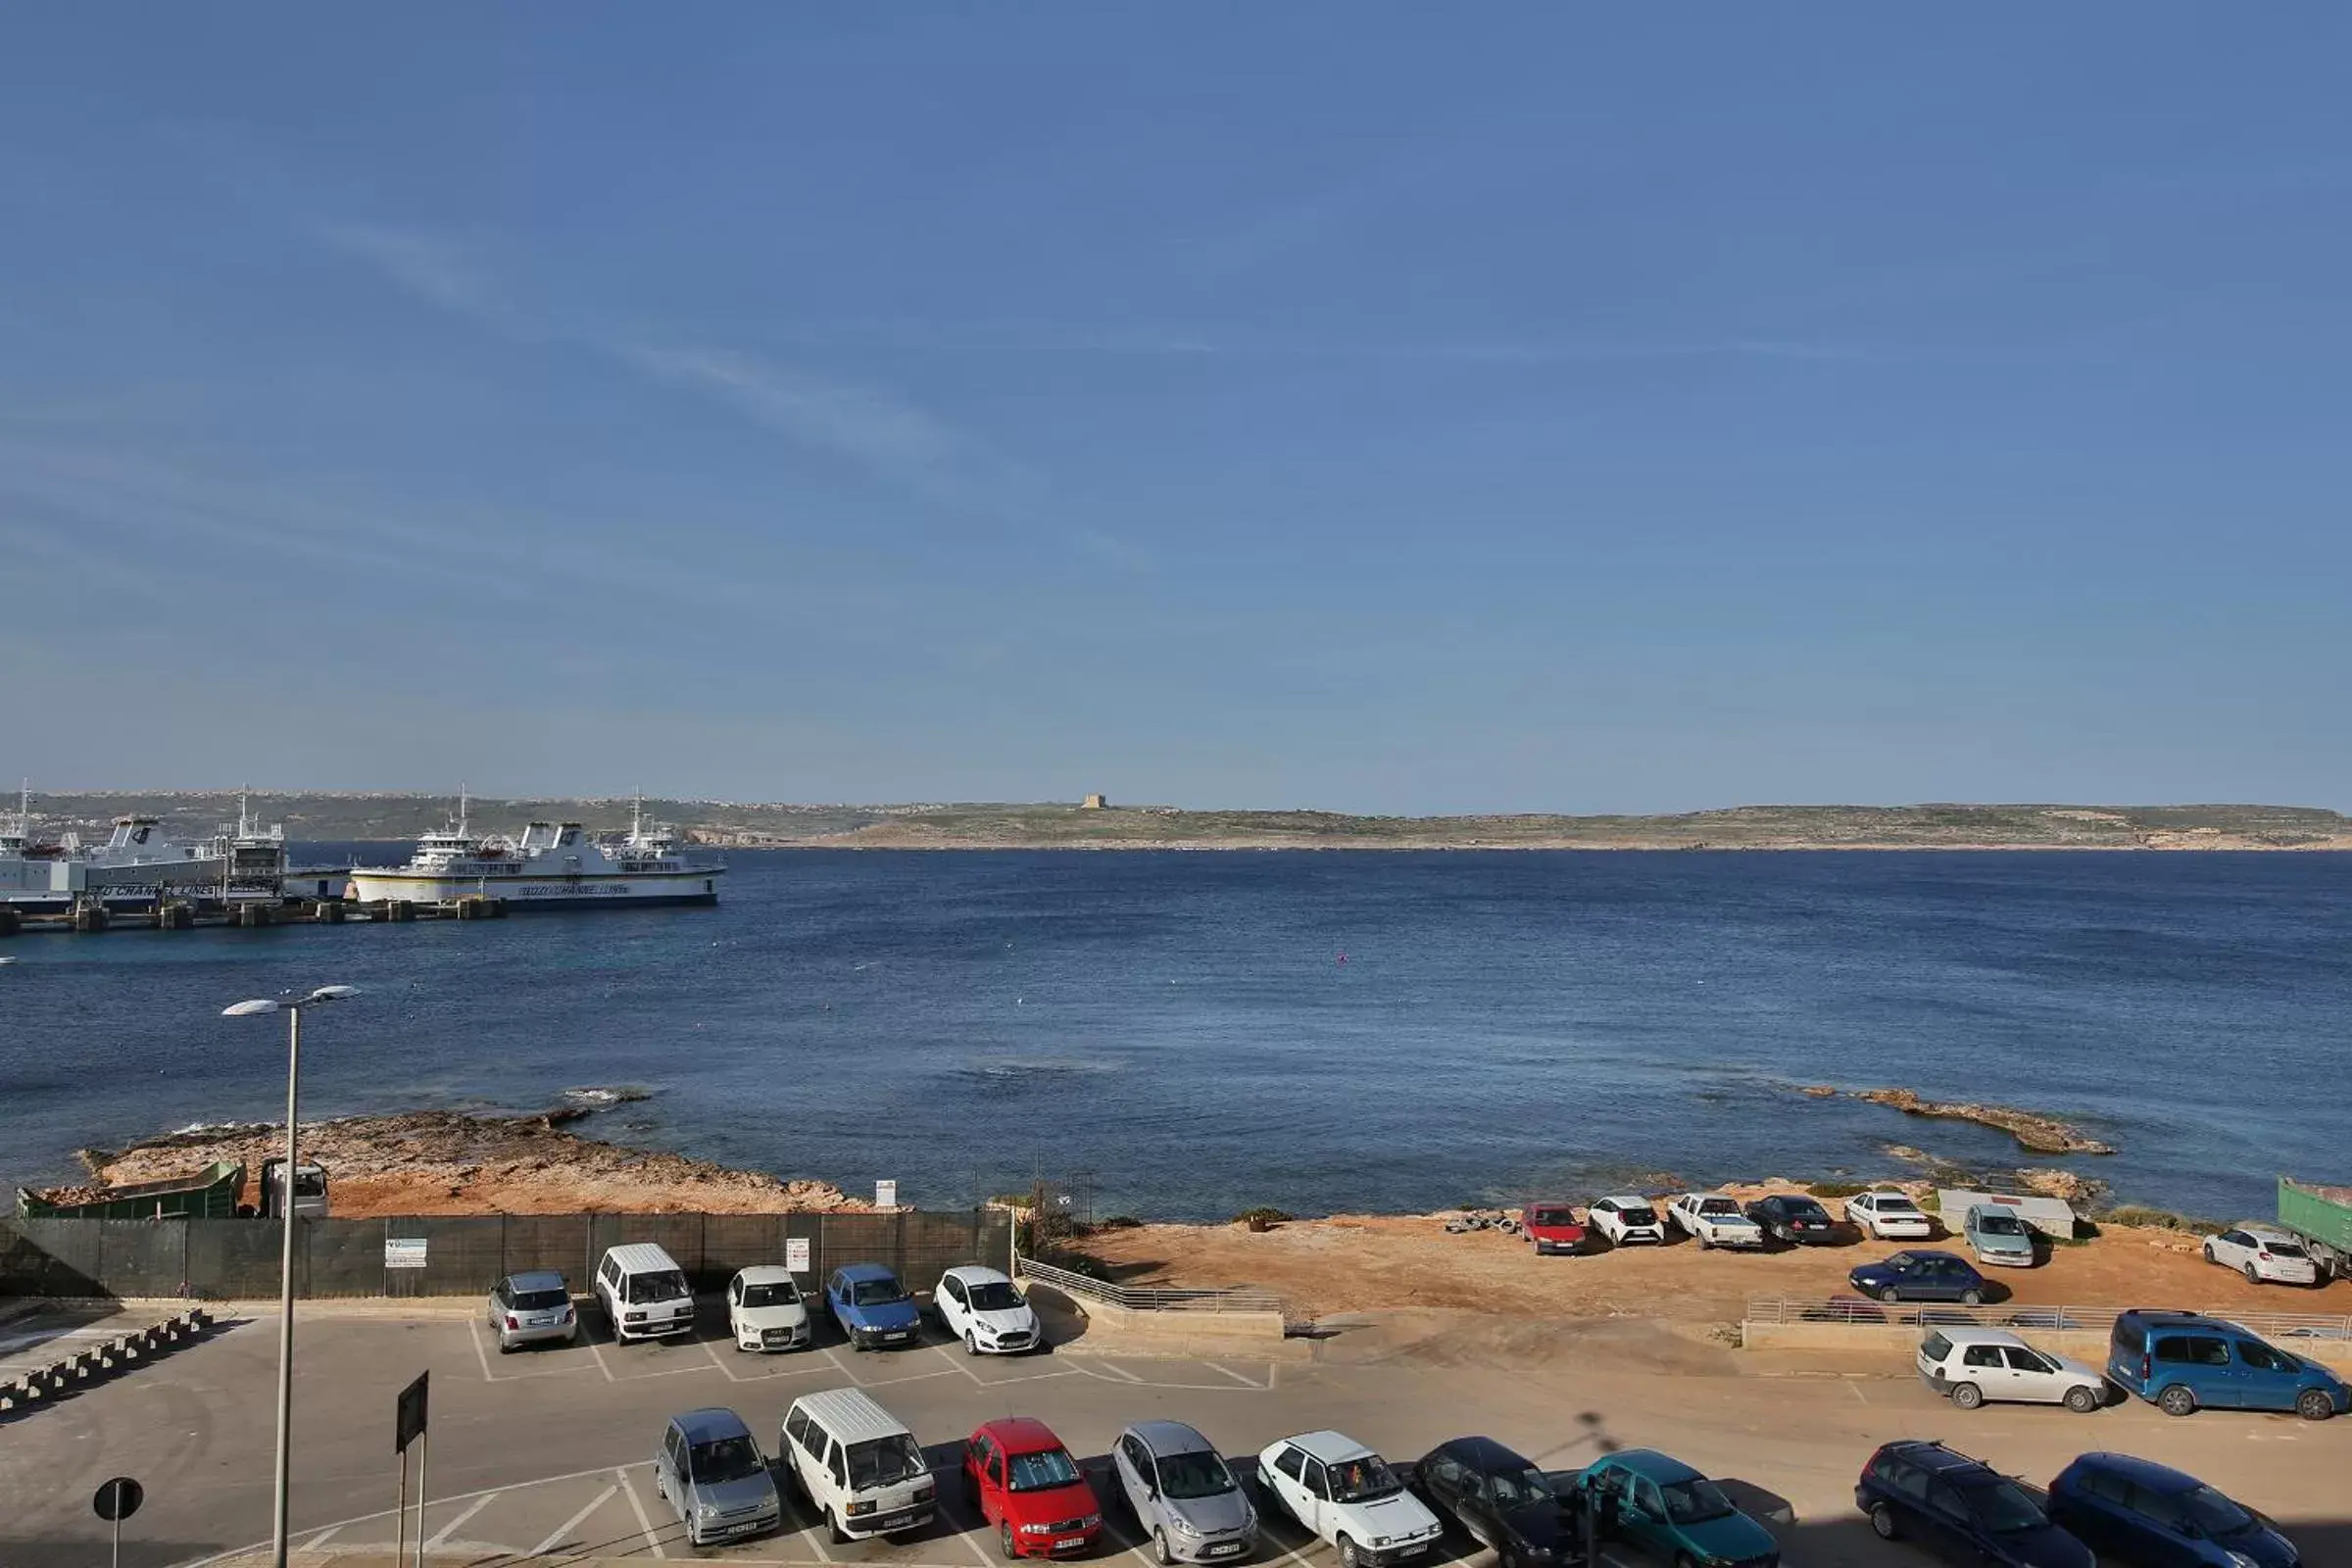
point(2160, 1219)
point(1119, 1222)
point(1837, 1189)
point(1264, 1212)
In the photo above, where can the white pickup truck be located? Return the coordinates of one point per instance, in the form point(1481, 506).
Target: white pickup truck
point(1716, 1220)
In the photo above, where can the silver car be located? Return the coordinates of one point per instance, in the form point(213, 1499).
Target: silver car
point(1182, 1494)
point(532, 1309)
point(710, 1469)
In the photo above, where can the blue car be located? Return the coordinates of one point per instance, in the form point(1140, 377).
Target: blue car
point(1961, 1508)
point(871, 1306)
point(1921, 1276)
point(2183, 1362)
point(2143, 1513)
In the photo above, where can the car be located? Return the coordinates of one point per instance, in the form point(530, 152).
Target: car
point(1794, 1218)
point(1716, 1220)
point(2186, 1361)
point(644, 1292)
point(860, 1467)
point(1679, 1515)
point(764, 1310)
point(1185, 1498)
point(1498, 1500)
point(872, 1307)
point(1551, 1228)
point(1625, 1221)
point(1886, 1215)
point(980, 1307)
point(1961, 1508)
point(710, 1469)
point(1019, 1478)
point(1921, 1276)
point(2264, 1255)
point(1345, 1494)
point(2145, 1514)
point(1998, 1236)
point(533, 1308)
point(1970, 1365)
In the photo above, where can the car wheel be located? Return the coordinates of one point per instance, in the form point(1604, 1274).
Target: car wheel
point(504, 1349)
point(971, 1342)
point(2083, 1399)
point(841, 1536)
point(1967, 1396)
point(2176, 1399)
point(1004, 1541)
point(2252, 1276)
point(1160, 1547)
point(2314, 1404)
point(1349, 1557)
point(1881, 1520)
point(1704, 1245)
point(1890, 1294)
point(1971, 1298)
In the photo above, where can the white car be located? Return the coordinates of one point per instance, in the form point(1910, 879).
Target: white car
point(1970, 1366)
point(1889, 1217)
point(980, 1307)
point(1626, 1220)
point(765, 1311)
point(1715, 1219)
point(1344, 1493)
point(2263, 1253)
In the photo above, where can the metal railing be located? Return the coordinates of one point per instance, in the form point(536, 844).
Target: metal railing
point(2023, 1315)
point(1148, 1297)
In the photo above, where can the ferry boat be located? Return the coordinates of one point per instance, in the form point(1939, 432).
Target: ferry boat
point(553, 865)
point(141, 861)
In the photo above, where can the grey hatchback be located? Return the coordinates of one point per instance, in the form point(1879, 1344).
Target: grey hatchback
point(532, 1309)
point(1186, 1500)
point(710, 1470)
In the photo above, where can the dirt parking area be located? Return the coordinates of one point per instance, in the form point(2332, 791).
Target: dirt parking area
point(1352, 1263)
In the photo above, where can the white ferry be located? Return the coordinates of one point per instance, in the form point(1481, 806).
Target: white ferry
point(553, 865)
point(140, 862)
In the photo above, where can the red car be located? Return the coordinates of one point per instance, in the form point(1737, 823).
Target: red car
point(1552, 1227)
point(1024, 1482)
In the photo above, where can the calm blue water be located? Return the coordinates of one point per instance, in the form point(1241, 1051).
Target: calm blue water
point(1181, 1024)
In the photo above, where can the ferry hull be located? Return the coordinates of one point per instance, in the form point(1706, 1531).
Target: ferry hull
point(609, 891)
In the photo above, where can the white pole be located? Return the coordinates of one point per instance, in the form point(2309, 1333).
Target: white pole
point(425, 1451)
point(285, 1287)
point(400, 1514)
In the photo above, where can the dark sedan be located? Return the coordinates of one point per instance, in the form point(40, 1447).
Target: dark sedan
point(1921, 1277)
point(1498, 1500)
point(1794, 1218)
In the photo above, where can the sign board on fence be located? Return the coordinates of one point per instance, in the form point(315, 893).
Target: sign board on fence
point(404, 1252)
point(796, 1253)
point(408, 1413)
point(886, 1194)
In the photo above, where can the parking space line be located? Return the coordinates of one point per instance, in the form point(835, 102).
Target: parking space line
point(814, 1529)
point(480, 1355)
point(320, 1538)
point(950, 1357)
point(1119, 1372)
point(638, 1508)
point(828, 1353)
point(724, 1369)
point(449, 1529)
point(1246, 1383)
point(597, 1351)
point(555, 1536)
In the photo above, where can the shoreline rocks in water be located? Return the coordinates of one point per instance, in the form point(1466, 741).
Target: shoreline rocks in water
point(449, 1163)
point(2033, 1131)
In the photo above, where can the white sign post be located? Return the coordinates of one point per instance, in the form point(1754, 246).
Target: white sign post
point(796, 1253)
point(886, 1194)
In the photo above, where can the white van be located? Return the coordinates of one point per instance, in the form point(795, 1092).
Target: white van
point(644, 1291)
point(857, 1465)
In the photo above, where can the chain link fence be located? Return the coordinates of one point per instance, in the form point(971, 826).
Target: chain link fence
point(226, 1259)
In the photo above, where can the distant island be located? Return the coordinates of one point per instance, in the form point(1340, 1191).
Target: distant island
point(333, 816)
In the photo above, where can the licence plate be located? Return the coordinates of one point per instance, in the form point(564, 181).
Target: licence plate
point(897, 1521)
point(1416, 1550)
point(1069, 1543)
point(1225, 1548)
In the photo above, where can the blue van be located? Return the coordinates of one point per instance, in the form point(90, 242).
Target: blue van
point(2186, 1361)
point(2152, 1516)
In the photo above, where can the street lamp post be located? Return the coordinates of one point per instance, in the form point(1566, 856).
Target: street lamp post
point(285, 1263)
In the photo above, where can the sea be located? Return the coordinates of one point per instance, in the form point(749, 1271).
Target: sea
point(1187, 1035)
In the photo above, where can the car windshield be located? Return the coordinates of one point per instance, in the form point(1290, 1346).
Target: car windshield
point(1040, 1472)
point(782, 1292)
point(1722, 1208)
point(539, 1301)
point(2280, 1248)
point(1806, 1208)
point(1893, 1203)
point(1694, 1502)
point(2004, 1509)
point(726, 1459)
point(995, 1296)
point(1362, 1480)
point(1194, 1475)
point(885, 1461)
point(2000, 1225)
point(663, 1285)
point(1551, 1216)
point(876, 1293)
point(1518, 1488)
point(2216, 1514)
point(1640, 1216)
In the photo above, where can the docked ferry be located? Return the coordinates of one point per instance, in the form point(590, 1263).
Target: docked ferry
point(141, 863)
point(553, 865)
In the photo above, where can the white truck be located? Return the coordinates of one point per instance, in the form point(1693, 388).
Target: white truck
point(1715, 1218)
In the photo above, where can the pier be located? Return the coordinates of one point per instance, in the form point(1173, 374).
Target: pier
point(91, 916)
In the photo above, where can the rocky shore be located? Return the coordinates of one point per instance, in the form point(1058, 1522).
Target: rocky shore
point(2035, 1132)
point(448, 1162)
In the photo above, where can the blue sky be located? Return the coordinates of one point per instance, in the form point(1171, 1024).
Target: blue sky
point(1346, 404)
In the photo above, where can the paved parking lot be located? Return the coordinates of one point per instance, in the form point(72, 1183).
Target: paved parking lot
point(548, 1452)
